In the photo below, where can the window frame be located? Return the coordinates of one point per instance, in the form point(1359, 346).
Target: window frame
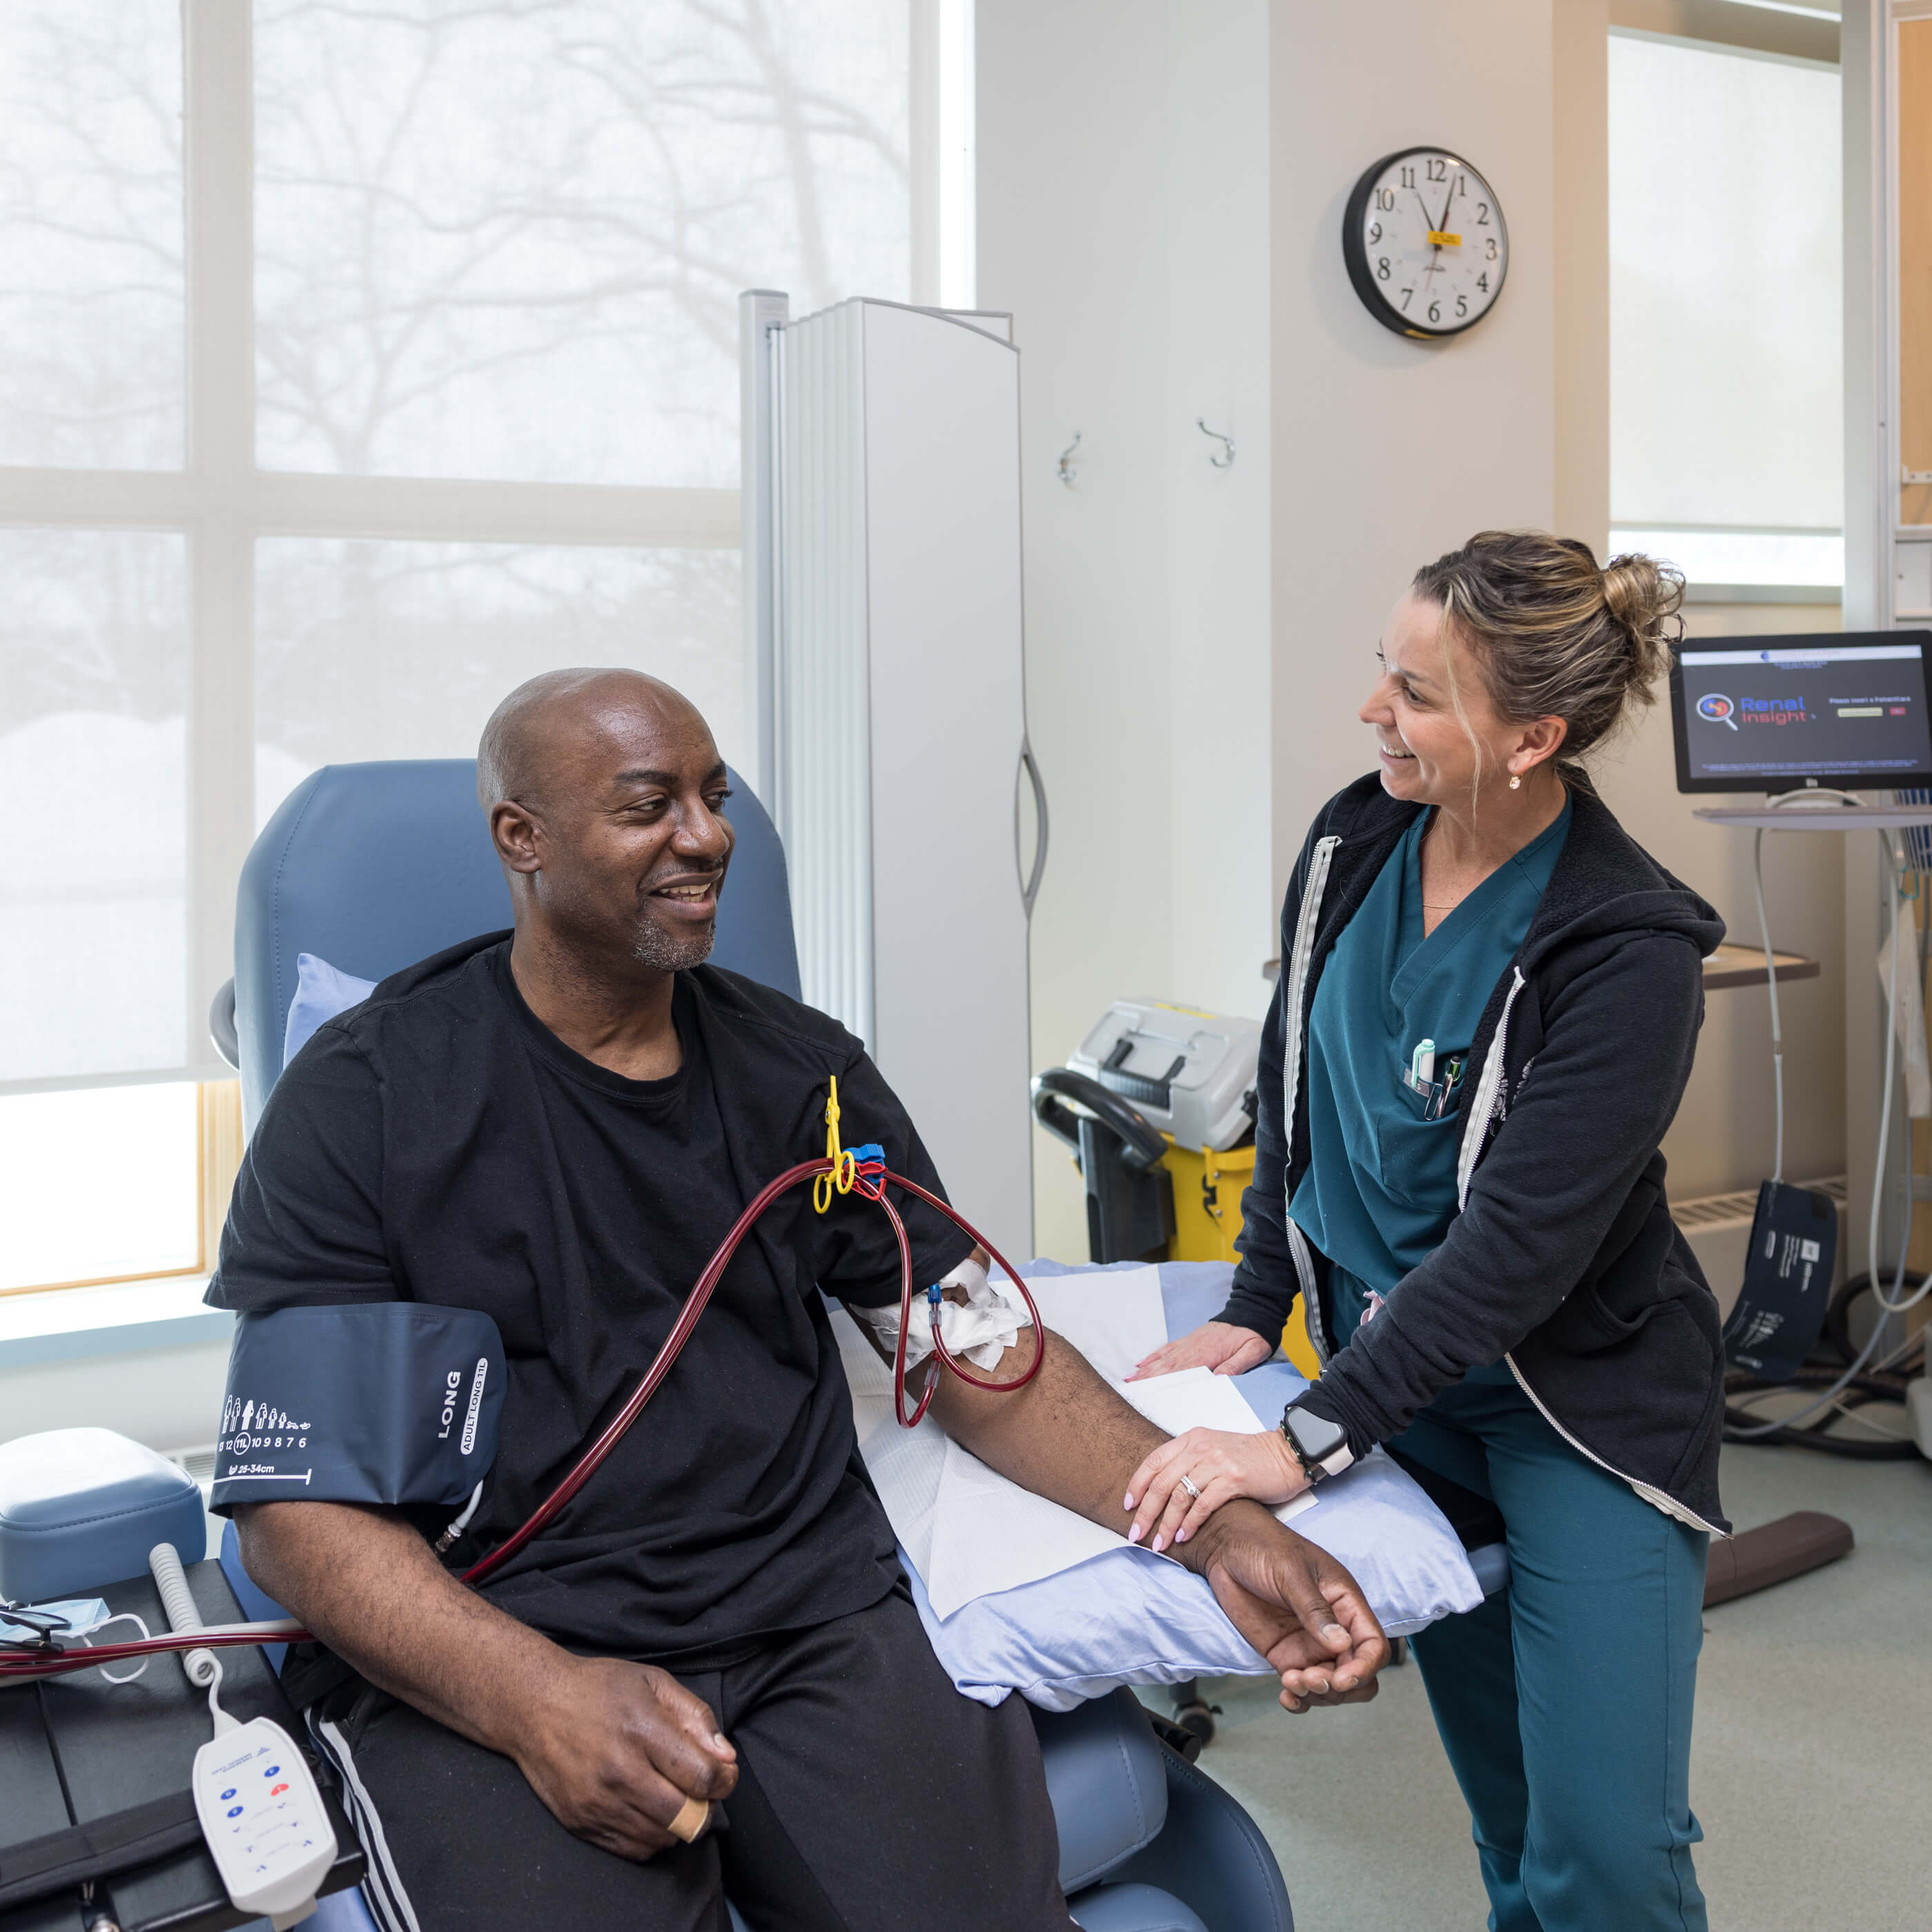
point(221, 502)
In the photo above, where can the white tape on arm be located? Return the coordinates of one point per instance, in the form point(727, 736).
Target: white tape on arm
point(981, 1328)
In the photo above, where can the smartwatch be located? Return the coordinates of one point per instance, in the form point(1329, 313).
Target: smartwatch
point(1320, 1446)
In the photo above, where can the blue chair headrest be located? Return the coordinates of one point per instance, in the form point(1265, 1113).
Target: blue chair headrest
point(374, 866)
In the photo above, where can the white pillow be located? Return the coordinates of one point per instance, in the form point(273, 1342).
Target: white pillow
point(321, 992)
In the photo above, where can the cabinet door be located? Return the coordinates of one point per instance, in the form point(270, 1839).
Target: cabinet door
point(948, 928)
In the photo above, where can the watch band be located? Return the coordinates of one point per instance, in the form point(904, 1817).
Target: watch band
point(1320, 1445)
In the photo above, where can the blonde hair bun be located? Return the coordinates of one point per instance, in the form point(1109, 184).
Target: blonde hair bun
point(1553, 635)
point(1644, 595)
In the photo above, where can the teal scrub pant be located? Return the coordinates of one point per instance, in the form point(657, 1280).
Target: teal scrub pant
point(1564, 1703)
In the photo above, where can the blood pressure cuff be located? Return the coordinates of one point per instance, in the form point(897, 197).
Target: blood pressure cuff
point(372, 1402)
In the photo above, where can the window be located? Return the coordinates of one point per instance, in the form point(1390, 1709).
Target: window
point(356, 364)
point(1727, 444)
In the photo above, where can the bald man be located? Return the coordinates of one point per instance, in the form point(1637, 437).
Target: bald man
point(557, 1125)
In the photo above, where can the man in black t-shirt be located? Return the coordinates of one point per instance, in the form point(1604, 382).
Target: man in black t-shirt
point(557, 1127)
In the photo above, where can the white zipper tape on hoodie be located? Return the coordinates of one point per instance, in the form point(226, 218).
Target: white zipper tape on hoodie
point(1656, 1497)
point(1293, 989)
point(1297, 987)
point(1484, 1103)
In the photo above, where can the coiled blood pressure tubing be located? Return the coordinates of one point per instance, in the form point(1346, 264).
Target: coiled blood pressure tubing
point(838, 1170)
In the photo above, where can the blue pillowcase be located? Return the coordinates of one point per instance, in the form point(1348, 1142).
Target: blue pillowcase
point(321, 992)
point(1123, 1617)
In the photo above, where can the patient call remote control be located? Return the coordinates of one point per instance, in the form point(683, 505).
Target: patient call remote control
point(260, 1811)
point(263, 1820)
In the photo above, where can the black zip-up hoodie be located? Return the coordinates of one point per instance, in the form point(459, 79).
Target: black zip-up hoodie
point(1562, 1260)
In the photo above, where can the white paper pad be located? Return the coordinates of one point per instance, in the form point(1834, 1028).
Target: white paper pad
point(970, 1531)
point(1116, 1321)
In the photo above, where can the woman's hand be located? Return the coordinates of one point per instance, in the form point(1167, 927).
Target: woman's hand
point(1221, 1466)
point(1219, 1346)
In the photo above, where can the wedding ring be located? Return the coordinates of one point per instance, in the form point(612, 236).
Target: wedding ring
point(1187, 1483)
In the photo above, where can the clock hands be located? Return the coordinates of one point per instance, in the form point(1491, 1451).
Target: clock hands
point(1434, 248)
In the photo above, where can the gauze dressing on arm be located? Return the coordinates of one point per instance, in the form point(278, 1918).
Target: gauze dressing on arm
point(981, 1328)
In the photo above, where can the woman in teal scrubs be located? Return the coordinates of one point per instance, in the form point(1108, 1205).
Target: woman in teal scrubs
point(1487, 1006)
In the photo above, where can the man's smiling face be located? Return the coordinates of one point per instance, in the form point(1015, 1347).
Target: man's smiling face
point(623, 790)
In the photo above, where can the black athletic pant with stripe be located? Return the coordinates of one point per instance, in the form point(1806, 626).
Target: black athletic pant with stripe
point(871, 1796)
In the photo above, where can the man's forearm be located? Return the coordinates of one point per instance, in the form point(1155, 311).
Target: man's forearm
point(366, 1584)
point(1066, 1436)
point(618, 1751)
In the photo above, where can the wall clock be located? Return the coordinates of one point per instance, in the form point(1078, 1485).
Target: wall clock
point(1425, 243)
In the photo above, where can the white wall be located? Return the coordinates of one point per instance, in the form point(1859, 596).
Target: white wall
point(167, 1398)
point(1160, 196)
point(1123, 191)
point(1388, 452)
point(1219, 576)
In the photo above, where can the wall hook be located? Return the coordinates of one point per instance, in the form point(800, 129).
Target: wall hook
point(1066, 461)
point(1219, 462)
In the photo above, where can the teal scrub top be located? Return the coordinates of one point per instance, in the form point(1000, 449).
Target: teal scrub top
point(1380, 1188)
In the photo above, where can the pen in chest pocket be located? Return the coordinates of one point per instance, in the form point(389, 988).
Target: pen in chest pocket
point(1419, 1076)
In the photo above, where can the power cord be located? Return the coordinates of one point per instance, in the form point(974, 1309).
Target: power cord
point(1738, 1426)
point(1882, 1381)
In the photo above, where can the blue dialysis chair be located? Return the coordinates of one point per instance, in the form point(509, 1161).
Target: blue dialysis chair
point(374, 866)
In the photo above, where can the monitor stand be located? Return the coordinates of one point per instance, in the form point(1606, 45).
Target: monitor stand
point(1811, 812)
point(1810, 797)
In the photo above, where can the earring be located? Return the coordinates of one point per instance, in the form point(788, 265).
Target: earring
point(1515, 782)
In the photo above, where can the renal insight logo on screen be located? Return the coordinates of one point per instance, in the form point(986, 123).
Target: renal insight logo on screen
point(1775, 711)
point(1717, 709)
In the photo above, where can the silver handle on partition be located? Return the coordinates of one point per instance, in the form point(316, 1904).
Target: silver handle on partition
point(1030, 889)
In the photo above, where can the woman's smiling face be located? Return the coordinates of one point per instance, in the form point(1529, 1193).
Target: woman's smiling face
point(1428, 753)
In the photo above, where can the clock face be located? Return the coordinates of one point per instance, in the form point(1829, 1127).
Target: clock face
point(1426, 244)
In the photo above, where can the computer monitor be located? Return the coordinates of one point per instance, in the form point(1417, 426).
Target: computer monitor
point(1845, 708)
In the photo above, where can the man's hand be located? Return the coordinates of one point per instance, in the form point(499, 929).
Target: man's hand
point(614, 1749)
point(1295, 1604)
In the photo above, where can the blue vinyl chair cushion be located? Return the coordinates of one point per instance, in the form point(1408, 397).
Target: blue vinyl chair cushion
point(374, 866)
point(80, 1507)
point(257, 1606)
point(1105, 1777)
point(1212, 1856)
point(1132, 1908)
point(1491, 1563)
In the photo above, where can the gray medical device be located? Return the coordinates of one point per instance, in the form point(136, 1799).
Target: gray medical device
point(1190, 1074)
